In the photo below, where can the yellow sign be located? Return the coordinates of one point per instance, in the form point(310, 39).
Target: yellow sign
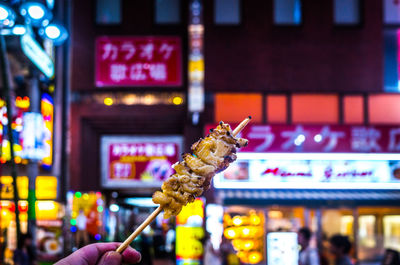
point(195, 208)
point(188, 242)
point(7, 190)
point(48, 210)
point(46, 188)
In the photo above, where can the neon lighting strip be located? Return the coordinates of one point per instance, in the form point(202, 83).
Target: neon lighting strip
point(319, 156)
point(311, 184)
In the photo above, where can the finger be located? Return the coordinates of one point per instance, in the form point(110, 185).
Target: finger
point(130, 256)
point(110, 258)
point(90, 254)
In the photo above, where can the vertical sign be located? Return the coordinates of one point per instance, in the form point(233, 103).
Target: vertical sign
point(196, 57)
point(189, 234)
point(48, 117)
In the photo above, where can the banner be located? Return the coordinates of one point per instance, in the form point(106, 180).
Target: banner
point(320, 138)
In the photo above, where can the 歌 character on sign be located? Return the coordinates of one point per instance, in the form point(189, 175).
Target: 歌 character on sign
point(264, 133)
point(394, 142)
point(118, 72)
point(130, 50)
point(110, 52)
point(365, 139)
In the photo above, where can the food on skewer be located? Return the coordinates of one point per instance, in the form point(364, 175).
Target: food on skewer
point(193, 175)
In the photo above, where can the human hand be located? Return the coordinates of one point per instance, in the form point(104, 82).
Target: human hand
point(99, 254)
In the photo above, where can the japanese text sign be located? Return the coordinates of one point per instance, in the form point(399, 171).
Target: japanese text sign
point(138, 161)
point(138, 61)
point(323, 138)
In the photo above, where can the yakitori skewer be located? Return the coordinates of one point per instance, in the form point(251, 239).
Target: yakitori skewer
point(211, 155)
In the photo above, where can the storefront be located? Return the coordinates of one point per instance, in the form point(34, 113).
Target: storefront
point(332, 179)
point(49, 216)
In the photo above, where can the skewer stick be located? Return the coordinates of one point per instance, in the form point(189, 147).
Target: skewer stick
point(154, 214)
point(241, 126)
point(146, 222)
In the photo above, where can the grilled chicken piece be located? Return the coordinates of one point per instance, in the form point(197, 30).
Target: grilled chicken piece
point(194, 174)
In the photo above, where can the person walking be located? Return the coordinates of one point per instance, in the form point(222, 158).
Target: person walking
point(340, 247)
point(308, 255)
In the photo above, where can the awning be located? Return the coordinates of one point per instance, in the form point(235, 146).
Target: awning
point(309, 197)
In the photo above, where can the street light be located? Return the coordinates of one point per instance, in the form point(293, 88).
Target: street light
point(7, 16)
point(35, 13)
point(54, 32)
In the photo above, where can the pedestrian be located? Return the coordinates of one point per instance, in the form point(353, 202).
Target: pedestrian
point(24, 254)
point(340, 247)
point(308, 255)
point(81, 235)
point(101, 254)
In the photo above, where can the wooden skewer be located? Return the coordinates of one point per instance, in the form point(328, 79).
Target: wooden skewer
point(154, 214)
point(241, 126)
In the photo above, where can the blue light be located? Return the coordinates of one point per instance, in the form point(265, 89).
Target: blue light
point(18, 30)
point(7, 16)
point(73, 229)
point(35, 13)
point(114, 207)
point(54, 32)
point(97, 237)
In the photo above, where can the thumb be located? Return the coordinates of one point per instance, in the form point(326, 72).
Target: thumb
point(110, 258)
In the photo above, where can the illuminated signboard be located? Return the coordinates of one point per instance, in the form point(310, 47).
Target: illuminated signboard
point(32, 136)
point(320, 138)
point(48, 117)
point(22, 105)
point(134, 161)
point(245, 233)
point(7, 190)
point(46, 187)
point(138, 61)
point(312, 171)
point(283, 248)
point(189, 233)
point(37, 55)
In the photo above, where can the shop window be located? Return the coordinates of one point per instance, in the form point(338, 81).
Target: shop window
point(353, 109)
point(276, 108)
point(227, 12)
point(384, 109)
point(391, 231)
point(347, 12)
point(391, 60)
point(287, 12)
point(167, 11)
point(108, 12)
point(391, 12)
point(236, 107)
point(312, 108)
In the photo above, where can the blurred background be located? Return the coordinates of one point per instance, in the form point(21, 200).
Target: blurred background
point(99, 98)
